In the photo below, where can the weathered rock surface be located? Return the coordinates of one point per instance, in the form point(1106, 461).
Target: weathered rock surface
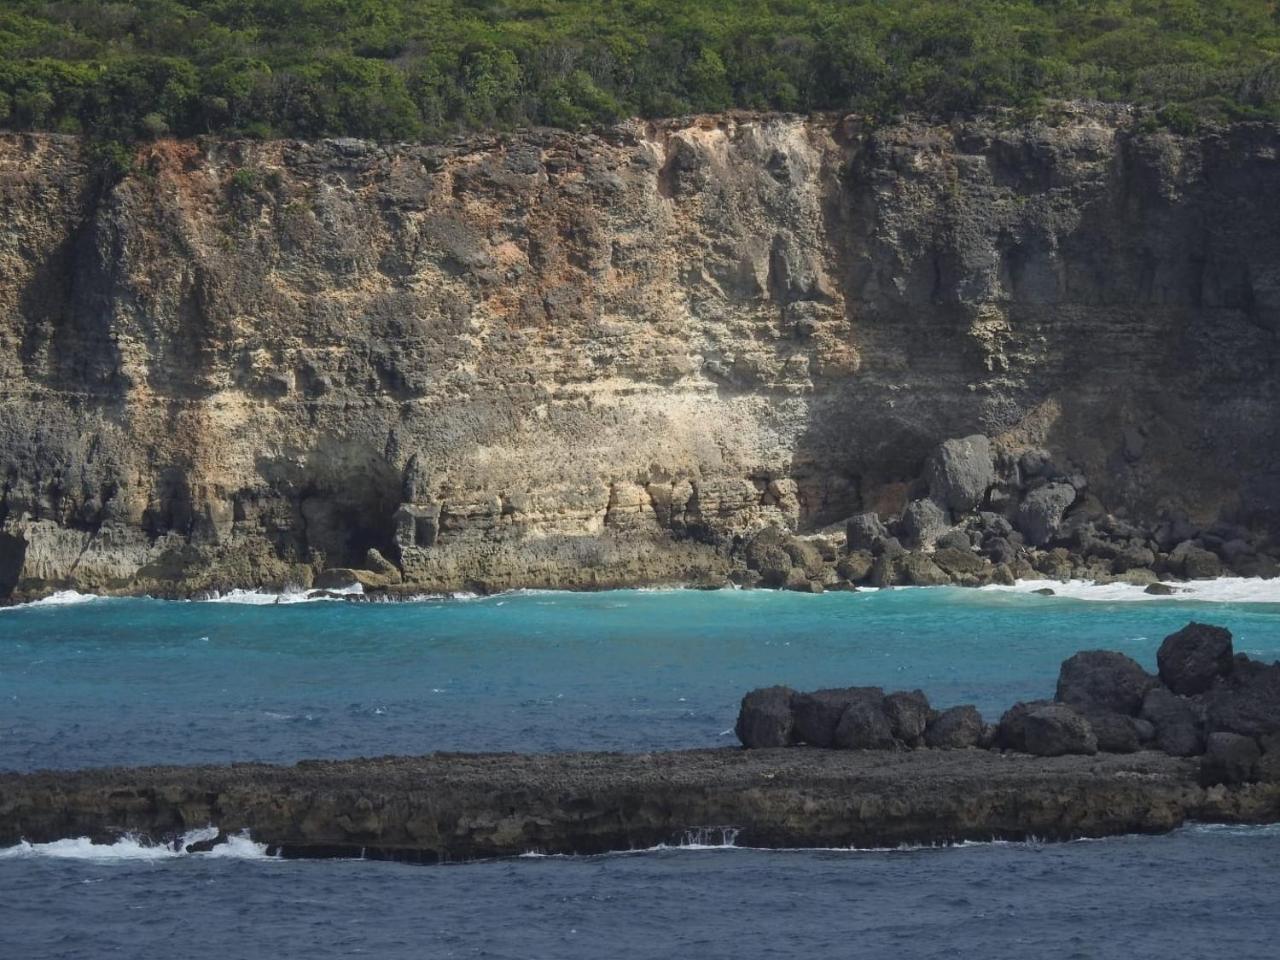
point(1229, 758)
point(960, 471)
point(1057, 730)
point(955, 729)
point(459, 806)
point(589, 360)
point(765, 719)
point(1194, 658)
point(1104, 680)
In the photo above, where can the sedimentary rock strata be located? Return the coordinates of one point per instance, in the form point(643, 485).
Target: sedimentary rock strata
point(584, 360)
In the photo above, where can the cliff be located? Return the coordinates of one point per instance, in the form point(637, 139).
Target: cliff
point(553, 359)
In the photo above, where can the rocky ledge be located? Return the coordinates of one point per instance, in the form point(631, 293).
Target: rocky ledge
point(455, 807)
point(1207, 702)
point(1118, 751)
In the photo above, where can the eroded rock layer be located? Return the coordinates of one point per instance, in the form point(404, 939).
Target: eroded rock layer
point(552, 359)
point(457, 806)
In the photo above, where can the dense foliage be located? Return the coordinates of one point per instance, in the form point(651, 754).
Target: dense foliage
point(396, 69)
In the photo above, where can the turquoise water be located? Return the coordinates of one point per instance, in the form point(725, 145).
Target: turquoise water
point(146, 681)
point(139, 681)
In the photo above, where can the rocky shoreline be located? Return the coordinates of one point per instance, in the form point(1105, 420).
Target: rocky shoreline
point(684, 351)
point(1117, 750)
point(449, 807)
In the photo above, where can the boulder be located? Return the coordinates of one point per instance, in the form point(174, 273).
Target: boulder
point(766, 554)
point(1229, 758)
point(1194, 562)
point(960, 471)
point(1011, 730)
point(805, 555)
point(1115, 732)
point(959, 562)
point(1056, 731)
point(1249, 704)
point(955, 539)
point(908, 714)
point(818, 714)
point(1267, 769)
point(918, 570)
point(1192, 659)
point(923, 521)
point(883, 572)
point(862, 530)
point(955, 729)
point(1177, 728)
point(1103, 679)
point(999, 550)
point(765, 719)
point(856, 567)
point(1133, 557)
point(864, 726)
point(1041, 511)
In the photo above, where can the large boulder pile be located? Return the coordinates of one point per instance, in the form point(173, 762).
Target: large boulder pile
point(855, 718)
point(1206, 701)
point(982, 513)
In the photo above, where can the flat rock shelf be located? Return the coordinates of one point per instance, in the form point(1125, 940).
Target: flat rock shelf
point(449, 807)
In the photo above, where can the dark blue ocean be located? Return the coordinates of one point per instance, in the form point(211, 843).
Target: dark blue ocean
point(137, 681)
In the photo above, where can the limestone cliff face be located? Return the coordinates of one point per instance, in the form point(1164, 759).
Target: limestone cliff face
point(576, 360)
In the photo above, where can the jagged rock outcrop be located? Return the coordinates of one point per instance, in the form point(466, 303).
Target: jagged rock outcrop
point(1222, 708)
point(586, 360)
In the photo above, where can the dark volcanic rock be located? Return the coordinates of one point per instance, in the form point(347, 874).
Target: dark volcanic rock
point(1249, 705)
point(1056, 731)
point(1229, 758)
point(1115, 732)
point(955, 729)
point(863, 530)
point(1177, 728)
point(908, 714)
point(864, 726)
point(1194, 657)
point(765, 719)
point(1040, 514)
point(1011, 731)
point(467, 806)
point(960, 471)
point(818, 714)
point(1103, 679)
point(923, 521)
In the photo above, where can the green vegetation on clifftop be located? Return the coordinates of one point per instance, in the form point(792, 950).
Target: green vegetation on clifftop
point(398, 69)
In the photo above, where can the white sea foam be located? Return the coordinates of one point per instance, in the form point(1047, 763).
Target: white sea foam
point(1221, 590)
point(261, 598)
point(62, 598)
point(131, 848)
